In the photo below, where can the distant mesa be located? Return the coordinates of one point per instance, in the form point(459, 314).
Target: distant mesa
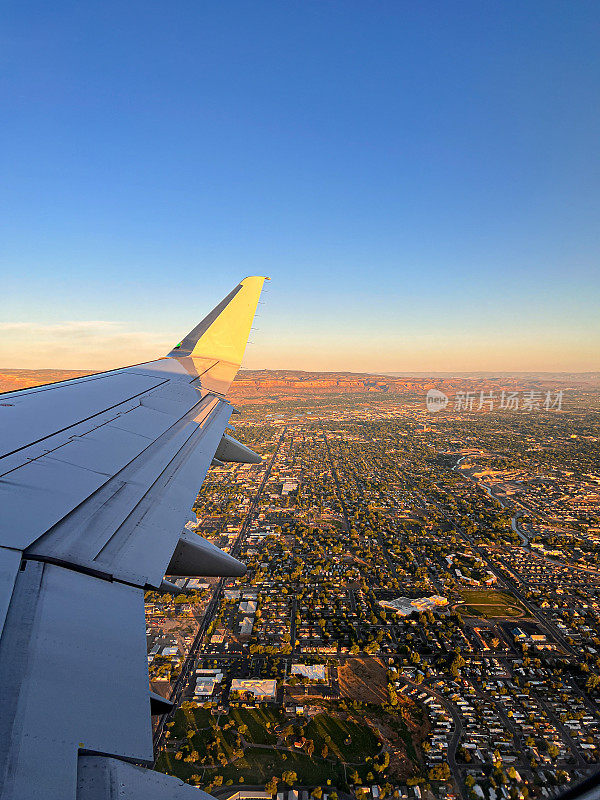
point(257, 383)
point(11, 380)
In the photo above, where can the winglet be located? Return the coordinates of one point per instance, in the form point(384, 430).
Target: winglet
point(223, 334)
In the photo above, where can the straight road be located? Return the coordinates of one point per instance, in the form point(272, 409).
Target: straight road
point(186, 671)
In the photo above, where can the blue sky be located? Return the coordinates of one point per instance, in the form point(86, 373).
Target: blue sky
point(420, 180)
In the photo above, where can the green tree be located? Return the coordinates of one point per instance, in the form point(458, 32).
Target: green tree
point(289, 778)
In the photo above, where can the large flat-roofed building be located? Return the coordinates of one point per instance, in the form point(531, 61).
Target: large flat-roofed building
point(406, 606)
point(204, 687)
point(196, 584)
point(246, 626)
point(260, 689)
point(248, 606)
point(314, 672)
point(206, 680)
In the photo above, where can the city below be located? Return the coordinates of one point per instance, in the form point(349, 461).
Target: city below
point(420, 617)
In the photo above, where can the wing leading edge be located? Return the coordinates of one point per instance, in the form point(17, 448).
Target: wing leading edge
point(97, 476)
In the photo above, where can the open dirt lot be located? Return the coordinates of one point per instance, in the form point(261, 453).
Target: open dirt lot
point(363, 679)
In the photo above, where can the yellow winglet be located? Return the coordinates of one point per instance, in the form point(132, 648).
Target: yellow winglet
point(223, 334)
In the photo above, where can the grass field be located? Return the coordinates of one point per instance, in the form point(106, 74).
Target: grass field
point(189, 719)
point(353, 737)
point(489, 603)
point(346, 739)
point(256, 719)
point(259, 765)
point(349, 743)
point(260, 722)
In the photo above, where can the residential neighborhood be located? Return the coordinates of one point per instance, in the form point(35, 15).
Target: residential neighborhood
point(420, 617)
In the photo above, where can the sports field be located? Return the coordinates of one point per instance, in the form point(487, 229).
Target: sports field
point(489, 603)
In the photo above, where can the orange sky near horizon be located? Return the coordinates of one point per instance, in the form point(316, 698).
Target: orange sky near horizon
point(98, 345)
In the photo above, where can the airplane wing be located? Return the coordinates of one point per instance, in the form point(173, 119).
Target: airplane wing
point(97, 479)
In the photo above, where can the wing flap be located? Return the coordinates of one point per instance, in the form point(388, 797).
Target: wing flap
point(78, 681)
point(100, 778)
point(130, 527)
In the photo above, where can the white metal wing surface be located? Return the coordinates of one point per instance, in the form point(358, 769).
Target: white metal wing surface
point(97, 479)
